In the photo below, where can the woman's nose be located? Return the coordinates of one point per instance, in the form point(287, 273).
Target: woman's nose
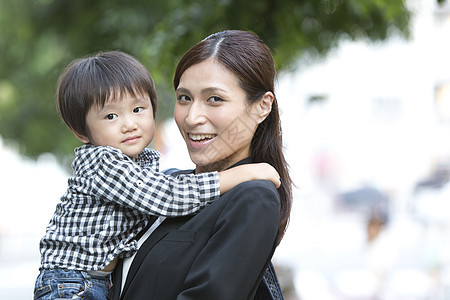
point(196, 114)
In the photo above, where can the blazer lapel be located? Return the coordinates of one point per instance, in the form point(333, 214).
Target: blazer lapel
point(159, 233)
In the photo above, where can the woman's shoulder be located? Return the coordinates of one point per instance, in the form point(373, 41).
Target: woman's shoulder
point(260, 185)
point(259, 191)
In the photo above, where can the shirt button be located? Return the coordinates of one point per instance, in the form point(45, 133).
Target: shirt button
point(139, 183)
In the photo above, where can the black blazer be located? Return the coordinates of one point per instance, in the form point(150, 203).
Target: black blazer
point(220, 253)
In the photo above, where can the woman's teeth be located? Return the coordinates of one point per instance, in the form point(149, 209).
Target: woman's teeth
point(199, 137)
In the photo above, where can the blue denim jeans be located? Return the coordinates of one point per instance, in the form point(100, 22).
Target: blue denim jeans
point(70, 284)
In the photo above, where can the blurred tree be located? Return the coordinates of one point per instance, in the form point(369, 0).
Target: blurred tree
point(38, 38)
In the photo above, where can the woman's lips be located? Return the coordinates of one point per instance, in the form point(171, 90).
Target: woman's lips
point(200, 141)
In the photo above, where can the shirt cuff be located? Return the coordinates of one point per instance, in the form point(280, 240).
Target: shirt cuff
point(209, 187)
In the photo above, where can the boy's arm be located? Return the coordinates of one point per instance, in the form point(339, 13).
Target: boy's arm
point(117, 179)
point(233, 176)
point(121, 181)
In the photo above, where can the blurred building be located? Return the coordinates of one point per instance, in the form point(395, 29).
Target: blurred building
point(372, 118)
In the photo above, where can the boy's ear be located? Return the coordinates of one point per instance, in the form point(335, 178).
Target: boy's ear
point(81, 138)
point(264, 106)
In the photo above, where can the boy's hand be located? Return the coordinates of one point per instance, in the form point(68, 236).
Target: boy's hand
point(264, 171)
point(232, 177)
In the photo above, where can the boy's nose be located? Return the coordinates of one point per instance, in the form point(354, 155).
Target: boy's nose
point(128, 124)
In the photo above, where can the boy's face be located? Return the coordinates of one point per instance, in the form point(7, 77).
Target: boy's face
point(126, 124)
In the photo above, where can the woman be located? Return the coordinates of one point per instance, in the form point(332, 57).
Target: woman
point(227, 113)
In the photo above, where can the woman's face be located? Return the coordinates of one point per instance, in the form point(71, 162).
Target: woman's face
point(213, 116)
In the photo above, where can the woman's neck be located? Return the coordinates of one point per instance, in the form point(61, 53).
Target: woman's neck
point(220, 166)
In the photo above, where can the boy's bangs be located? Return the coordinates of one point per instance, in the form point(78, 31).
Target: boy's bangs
point(114, 94)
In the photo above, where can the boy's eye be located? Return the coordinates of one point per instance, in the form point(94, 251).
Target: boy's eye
point(111, 116)
point(138, 109)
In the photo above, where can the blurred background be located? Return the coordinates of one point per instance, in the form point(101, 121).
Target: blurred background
point(364, 93)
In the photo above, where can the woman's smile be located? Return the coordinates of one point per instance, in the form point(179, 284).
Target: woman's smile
point(213, 115)
point(198, 142)
point(199, 137)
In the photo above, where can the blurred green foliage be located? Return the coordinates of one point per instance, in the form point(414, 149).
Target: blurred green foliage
point(39, 38)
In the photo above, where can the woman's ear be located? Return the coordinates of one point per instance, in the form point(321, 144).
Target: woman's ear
point(82, 138)
point(264, 106)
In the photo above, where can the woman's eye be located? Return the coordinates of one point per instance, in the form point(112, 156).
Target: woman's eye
point(138, 110)
point(215, 99)
point(183, 98)
point(111, 116)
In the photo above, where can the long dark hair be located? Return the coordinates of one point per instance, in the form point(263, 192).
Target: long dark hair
point(246, 55)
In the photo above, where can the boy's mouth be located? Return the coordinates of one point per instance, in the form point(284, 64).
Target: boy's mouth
point(131, 139)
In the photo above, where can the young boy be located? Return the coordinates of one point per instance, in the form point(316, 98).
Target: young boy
point(109, 101)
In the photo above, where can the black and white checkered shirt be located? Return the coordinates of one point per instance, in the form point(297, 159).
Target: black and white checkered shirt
point(108, 202)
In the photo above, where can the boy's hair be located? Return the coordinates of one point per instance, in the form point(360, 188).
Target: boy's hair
point(96, 79)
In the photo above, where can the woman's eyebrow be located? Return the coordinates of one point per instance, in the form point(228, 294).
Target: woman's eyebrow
point(181, 90)
point(212, 90)
point(204, 91)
